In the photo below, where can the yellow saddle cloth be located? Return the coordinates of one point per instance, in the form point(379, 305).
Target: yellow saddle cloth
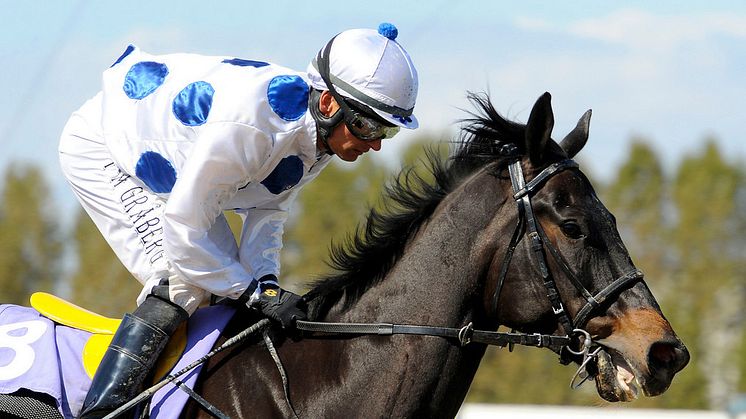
point(102, 329)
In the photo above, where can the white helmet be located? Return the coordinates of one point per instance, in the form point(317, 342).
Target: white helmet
point(370, 67)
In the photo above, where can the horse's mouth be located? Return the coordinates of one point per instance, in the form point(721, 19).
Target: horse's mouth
point(616, 380)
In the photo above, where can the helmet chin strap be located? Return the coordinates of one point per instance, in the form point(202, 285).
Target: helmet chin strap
point(324, 124)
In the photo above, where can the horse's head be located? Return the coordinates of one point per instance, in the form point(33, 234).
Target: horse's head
point(566, 242)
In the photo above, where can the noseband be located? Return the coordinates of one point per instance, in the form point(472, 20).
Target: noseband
point(527, 222)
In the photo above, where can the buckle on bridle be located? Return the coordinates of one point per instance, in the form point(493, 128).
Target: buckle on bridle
point(559, 310)
point(540, 339)
point(465, 334)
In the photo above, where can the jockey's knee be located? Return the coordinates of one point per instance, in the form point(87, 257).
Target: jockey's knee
point(176, 291)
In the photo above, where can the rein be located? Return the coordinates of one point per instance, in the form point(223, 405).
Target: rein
point(464, 335)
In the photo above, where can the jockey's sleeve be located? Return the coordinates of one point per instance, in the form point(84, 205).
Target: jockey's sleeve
point(225, 157)
point(261, 237)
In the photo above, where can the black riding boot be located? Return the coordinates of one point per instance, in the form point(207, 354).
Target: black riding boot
point(134, 349)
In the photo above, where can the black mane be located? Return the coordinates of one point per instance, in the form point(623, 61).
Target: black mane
point(409, 200)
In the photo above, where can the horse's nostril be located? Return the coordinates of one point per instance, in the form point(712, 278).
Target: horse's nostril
point(663, 353)
point(667, 355)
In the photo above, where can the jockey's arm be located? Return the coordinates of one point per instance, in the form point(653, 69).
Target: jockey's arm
point(224, 158)
point(261, 237)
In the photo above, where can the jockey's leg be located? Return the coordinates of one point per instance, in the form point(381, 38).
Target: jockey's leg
point(128, 215)
point(134, 349)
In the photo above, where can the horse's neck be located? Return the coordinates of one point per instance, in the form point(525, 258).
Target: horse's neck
point(434, 283)
point(439, 274)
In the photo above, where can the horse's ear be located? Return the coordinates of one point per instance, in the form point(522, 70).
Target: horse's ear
point(577, 138)
point(539, 128)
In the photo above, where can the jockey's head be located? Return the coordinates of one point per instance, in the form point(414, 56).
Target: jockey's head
point(366, 79)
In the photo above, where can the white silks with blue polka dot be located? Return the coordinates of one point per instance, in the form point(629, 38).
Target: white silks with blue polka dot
point(204, 135)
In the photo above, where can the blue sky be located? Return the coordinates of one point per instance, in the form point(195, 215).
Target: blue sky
point(672, 72)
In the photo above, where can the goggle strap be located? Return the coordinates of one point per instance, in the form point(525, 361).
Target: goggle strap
point(323, 61)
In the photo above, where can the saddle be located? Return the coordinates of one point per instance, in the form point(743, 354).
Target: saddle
point(102, 331)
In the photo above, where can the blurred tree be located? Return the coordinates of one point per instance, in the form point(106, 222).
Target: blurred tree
point(740, 282)
point(329, 208)
point(416, 154)
point(30, 242)
point(640, 198)
point(707, 238)
point(101, 283)
point(637, 197)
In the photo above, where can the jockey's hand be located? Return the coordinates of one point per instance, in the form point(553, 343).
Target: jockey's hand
point(281, 306)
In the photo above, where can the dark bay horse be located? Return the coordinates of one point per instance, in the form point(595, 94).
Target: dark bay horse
point(437, 257)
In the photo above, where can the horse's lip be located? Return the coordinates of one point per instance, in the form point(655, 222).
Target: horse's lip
point(616, 379)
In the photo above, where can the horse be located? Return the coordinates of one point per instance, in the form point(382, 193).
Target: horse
point(506, 232)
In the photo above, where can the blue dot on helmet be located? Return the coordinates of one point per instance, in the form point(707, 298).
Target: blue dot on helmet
point(143, 78)
point(288, 96)
point(388, 30)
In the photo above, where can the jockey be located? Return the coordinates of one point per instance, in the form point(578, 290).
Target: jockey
point(173, 141)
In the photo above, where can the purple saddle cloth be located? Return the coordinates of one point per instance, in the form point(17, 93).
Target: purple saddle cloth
point(42, 356)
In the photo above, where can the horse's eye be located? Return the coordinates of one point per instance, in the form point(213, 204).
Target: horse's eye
point(571, 230)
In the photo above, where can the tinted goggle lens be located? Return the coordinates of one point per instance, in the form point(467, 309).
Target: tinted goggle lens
point(365, 127)
point(368, 129)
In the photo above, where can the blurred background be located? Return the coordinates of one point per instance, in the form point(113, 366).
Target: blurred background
point(665, 81)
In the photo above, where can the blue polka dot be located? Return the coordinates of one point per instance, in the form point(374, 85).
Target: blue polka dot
point(124, 55)
point(286, 175)
point(192, 105)
point(156, 172)
point(143, 78)
point(288, 97)
point(245, 63)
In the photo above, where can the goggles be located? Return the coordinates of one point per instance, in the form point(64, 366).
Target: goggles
point(364, 127)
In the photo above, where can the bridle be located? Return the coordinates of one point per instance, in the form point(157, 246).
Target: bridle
point(527, 222)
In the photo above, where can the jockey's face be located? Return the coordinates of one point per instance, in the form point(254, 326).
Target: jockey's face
point(342, 142)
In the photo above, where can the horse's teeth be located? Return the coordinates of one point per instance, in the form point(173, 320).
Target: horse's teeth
point(626, 381)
